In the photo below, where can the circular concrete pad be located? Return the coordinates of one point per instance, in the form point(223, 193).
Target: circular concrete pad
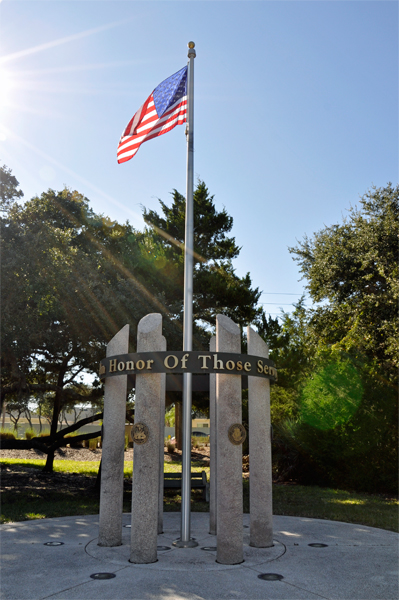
point(181, 559)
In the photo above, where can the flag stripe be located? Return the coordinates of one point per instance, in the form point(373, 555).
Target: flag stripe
point(165, 108)
point(151, 126)
point(156, 120)
point(132, 146)
point(157, 129)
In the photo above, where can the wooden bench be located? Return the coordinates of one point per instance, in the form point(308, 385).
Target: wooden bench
point(198, 481)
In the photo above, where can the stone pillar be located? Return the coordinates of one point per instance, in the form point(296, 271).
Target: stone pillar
point(147, 416)
point(229, 455)
point(113, 446)
point(260, 455)
point(213, 440)
point(161, 448)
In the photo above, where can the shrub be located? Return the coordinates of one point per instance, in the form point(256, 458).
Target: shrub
point(93, 443)
point(74, 444)
point(195, 442)
point(30, 433)
point(5, 434)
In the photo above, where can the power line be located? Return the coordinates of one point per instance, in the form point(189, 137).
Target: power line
point(275, 303)
point(279, 294)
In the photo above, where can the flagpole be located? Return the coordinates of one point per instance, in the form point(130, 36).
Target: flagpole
point(185, 541)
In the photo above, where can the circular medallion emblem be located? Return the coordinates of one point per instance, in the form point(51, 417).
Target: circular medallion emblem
point(140, 433)
point(237, 434)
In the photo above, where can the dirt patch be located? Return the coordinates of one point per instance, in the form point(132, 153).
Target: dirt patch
point(60, 454)
point(84, 454)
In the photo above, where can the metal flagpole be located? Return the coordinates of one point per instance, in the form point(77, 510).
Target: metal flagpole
point(185, 541)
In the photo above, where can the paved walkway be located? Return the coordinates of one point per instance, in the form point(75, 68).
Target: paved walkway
point(356, 562)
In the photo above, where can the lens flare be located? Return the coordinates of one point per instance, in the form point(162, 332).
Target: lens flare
point(331, 396)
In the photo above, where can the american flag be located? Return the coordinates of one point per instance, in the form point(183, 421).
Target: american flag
point(165, 108)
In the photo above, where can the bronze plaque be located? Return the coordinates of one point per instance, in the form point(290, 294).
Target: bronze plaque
point(140, 433)
point(237, 434)
point(172, 363)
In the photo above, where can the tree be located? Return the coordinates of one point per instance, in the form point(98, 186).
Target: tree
point(217, 288)
point(9, 192)
point(71, 280)
point(292, 350)
point(345, 431)
point(352, 269)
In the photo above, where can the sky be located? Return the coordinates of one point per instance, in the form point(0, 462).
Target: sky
point(295, 118)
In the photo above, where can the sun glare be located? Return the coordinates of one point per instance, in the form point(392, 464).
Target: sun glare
point(6, 88)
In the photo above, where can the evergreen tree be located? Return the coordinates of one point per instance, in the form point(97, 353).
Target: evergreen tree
point(217, 288)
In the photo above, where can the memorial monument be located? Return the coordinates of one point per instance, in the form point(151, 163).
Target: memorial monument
point(148, 369)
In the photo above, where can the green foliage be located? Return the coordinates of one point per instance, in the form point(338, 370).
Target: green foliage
point(30, 433)
point(6, 434)
point(347, 443)
point(331, 396)
point(217, 289)
point(338, 360)
point(72, 278)
point(170, 447)
point(9, 192)
point(198, 442)
point(283, 404)
point(293, 351)
point(170, 416)
point(353, 269)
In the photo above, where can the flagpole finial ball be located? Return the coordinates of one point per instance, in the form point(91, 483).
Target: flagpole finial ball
point(191, 51)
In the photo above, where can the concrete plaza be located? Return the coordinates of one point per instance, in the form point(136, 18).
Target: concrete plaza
point(348, 562)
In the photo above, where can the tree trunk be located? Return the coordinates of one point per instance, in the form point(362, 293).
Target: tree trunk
point(3, 414)
point(53, 430)
point(28, 417)
point(97, 485)
point(56, 413)
point(179, 425)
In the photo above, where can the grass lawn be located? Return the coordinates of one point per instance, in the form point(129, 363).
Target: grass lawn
point(72, 493)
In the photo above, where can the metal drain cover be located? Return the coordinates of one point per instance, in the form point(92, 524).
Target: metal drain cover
point(103, 575)
point(160, 548)
point(53, 544)
point(270, 577)
point(317, 545)
point(209, 548)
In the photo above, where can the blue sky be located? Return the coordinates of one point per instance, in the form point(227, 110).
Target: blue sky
point(296, 111)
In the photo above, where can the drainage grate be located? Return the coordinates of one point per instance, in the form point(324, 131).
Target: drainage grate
point(128, 526)
point(270, 577)
point(53, 544)
point(103, 575)
point(209, 548)
point(246, 526)
point(317, 545)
